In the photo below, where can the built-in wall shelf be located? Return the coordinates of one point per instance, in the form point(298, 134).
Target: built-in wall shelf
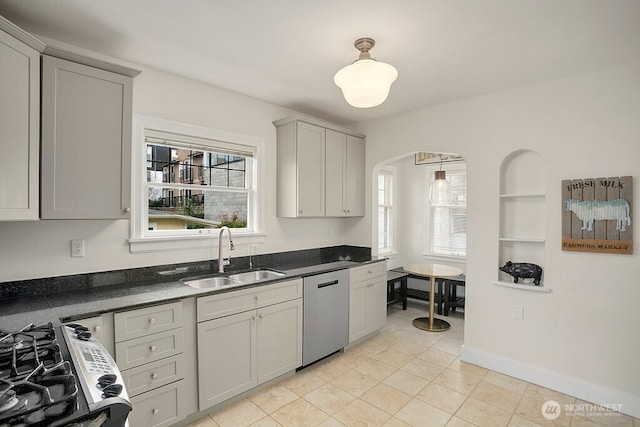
point(522, 286)
point(522, 239)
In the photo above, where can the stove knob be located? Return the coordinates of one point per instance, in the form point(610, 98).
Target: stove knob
point(106, 380)
point(112, 390)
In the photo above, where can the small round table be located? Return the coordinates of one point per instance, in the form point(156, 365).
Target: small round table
point(432, 271)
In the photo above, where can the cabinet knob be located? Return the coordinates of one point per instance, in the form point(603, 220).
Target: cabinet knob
point(261, 316)
point(152, 321)
point(256, 298)
point(154, 376)
point(152, 348)
point(369, 271)
point(127, 210)
point(97, 328)
point(155, 411)
point(299, 210)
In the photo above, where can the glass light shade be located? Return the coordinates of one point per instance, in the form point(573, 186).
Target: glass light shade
point(440, 190)
point(366, 82)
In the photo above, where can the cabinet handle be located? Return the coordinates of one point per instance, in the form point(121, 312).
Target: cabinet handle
point(155, 411)
point(127, 210)
point(152, 348)
point(154, 376)
point(96, 328)
point(369, 271)
point(261, 316)
point(299, 210)
point(152, 320)
point(256, 298)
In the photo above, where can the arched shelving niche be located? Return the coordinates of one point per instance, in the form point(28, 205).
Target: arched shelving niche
point(522, 214)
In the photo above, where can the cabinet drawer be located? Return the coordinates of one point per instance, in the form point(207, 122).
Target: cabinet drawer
point(153, 375)
point(368, 271)
point(220, 305)
point(137, 351)
point(148, 320)
point(159, 407)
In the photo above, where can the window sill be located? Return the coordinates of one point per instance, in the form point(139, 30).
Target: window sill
point(455, 258)
point(173, 243)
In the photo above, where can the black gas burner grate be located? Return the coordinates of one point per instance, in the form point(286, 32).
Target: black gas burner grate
point(36, 385)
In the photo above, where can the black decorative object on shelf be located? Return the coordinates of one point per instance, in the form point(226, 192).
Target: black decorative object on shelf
point(523, 270)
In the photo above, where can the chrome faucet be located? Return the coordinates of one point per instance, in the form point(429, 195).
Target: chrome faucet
point(222, 261)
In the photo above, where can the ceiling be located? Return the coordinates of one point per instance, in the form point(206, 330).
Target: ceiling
point(287, 51)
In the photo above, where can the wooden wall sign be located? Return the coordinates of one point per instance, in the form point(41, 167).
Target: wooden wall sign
point(596, 215)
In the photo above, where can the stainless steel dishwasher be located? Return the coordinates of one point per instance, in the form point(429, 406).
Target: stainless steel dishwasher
point(326, 315)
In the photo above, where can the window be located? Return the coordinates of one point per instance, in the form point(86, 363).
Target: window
point(449, 223)
point(386, 178)
point(194, 185)
point(191, 181)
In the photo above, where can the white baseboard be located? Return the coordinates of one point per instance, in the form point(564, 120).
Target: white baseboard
point(572, 386)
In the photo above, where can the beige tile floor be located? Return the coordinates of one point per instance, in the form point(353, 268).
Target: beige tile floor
point(404, 377)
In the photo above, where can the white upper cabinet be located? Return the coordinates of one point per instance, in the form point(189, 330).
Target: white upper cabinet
point(19, 124)
point(86, 141)
point(344, 174)
point(320, 170)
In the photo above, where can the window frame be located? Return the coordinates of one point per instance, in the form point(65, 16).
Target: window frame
point(450, 169)
point(140, 240)
point(391, 171)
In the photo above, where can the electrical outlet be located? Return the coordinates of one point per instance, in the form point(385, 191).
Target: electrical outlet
point(77, 248)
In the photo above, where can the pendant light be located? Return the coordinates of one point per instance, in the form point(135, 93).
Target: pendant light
point(440, 189)
point(366, 82)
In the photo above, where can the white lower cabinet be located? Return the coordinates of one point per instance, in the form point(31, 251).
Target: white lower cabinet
point(154, 358)
point(367, 300)
point(258, 341)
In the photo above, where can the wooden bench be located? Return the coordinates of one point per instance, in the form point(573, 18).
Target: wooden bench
point(397, 294)
point(451, 298)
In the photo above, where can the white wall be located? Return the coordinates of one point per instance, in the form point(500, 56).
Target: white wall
point(42, 248)
point(581, 338)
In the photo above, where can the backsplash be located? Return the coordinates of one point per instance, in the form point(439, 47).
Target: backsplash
point(172, 272)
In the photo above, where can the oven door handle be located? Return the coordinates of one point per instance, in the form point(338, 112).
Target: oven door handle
point(325, 284)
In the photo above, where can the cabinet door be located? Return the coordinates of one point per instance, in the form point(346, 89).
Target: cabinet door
point(86, 142)
point(19, 129)
point(310, 164)
point(357, 310)
point(336, 150)
point(227, 358)
point(376, 304)
point(354, 179)
point(279, 339)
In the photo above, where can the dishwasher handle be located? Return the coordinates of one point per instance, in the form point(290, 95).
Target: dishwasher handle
point(325, 284)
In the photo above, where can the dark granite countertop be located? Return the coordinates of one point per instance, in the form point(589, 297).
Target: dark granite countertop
point(15, 313)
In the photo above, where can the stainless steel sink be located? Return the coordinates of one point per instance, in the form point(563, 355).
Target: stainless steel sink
point(212, 283)
point(256, 276)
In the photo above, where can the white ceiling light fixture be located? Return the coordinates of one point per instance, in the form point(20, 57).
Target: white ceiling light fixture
point(366, 82)
point(440, 189)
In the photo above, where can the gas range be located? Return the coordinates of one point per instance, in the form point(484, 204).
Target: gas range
point(46, 380)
